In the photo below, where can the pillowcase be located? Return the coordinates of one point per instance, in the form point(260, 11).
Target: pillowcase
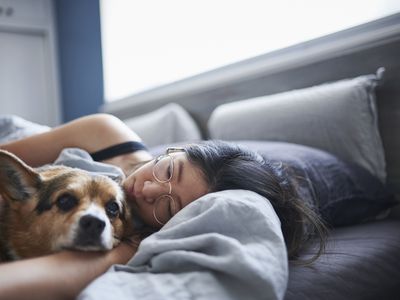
point(343, 193)
point(339, 117)
point(168, 124)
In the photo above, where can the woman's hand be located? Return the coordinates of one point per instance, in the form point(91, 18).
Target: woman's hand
point(125, 250)
point(59, 276)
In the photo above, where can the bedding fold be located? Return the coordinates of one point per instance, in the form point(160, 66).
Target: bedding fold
point(225, 245)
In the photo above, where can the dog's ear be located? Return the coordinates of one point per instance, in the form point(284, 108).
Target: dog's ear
point(18, 181)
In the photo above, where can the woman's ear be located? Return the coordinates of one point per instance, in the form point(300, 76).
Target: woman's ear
point(18, 181)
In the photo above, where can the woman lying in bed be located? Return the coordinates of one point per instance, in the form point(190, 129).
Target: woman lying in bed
point(178, 177)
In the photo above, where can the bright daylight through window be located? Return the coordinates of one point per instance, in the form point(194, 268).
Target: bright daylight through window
point(150, 43)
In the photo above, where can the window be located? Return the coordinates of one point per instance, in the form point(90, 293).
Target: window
point(150, 43)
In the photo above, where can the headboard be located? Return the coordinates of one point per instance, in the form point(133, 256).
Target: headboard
point(349, 53)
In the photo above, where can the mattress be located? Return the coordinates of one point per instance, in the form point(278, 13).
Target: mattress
point(360, 262)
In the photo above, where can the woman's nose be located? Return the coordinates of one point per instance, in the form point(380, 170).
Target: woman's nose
point(153, 189)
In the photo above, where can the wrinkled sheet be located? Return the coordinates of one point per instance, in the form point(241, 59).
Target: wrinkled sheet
point(14, 128)
point(225, 245)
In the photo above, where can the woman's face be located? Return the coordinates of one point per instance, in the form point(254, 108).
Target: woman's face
point(147, 194)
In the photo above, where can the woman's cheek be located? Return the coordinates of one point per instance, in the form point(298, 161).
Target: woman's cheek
point(146, 215)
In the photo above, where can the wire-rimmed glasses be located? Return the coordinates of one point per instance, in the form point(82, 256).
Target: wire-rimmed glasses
point(165, 206)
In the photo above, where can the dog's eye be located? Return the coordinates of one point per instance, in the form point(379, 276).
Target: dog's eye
point(66, 202)
point(112, 209)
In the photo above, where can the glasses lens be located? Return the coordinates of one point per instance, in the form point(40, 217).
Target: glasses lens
point(163, 168)
point(164, 209)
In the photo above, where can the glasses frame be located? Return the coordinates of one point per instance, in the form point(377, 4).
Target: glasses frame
point(172, 200)
point(167, 154)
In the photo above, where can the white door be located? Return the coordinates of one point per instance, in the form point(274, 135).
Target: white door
point(23, 77)
point(28, 64)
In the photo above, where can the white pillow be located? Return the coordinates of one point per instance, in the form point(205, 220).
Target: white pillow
point(338, 117)
point(168, 124)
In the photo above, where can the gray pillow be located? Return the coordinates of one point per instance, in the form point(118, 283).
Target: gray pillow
point(338, 117)
point(168, 124)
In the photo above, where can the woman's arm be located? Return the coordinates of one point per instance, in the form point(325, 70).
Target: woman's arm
point(59, 276)
point(91, 133)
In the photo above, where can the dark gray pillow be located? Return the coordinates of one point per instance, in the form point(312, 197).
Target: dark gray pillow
point(343, 193)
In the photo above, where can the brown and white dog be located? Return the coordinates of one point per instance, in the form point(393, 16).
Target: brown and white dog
point(48, 209)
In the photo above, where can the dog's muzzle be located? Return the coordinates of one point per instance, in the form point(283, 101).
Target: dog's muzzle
point(89, 232)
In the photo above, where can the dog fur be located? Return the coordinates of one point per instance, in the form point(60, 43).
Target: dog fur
point(51, 208)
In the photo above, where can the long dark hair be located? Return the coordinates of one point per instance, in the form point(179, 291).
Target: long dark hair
point(229, 166)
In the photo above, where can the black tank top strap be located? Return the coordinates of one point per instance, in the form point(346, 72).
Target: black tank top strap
point(119, 149)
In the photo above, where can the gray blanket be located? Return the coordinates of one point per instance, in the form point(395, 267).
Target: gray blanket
point(225, 245)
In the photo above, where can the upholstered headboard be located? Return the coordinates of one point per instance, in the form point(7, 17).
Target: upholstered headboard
point(357, 51)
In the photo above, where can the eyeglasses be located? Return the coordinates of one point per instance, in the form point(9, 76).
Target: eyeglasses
point(165, 206)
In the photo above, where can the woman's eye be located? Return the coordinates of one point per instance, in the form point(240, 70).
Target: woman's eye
point(112, 209)
point(172, 209)
point(66, 202)
point(171, 214)
point(169, 170)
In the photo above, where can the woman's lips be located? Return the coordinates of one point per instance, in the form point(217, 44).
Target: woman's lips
point(130, 190)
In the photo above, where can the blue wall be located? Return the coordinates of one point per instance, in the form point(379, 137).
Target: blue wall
point(80, 57)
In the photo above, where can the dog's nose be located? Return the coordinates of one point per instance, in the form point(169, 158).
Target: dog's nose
point(92, 225)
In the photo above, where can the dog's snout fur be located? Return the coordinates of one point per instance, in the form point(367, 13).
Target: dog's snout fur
point(92, 226)
point(89, 233)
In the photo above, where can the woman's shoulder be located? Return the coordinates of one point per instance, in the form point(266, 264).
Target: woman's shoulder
point(131, 161)
point(127, 155)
